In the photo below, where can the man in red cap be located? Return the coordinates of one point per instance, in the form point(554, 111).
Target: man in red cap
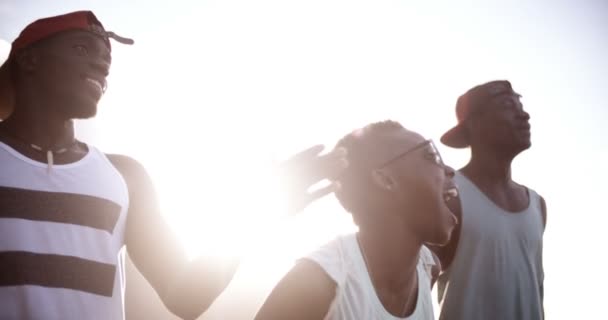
point(67, 209)
point(493, 264)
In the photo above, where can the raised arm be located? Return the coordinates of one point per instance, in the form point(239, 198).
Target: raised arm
point(186, 288)
point(306, 292)
point(189, 288)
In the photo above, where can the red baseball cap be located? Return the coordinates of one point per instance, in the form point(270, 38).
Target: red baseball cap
point(469, 103)
point(44, 29)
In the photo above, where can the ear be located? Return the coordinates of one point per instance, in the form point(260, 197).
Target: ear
point(469, 125)
point(383, 180)
point(27, 60)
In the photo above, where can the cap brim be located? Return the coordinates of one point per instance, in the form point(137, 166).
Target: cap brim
point(6, 91)
point(455, 138)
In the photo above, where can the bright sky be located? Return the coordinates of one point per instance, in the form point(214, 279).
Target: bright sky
point(213, 92)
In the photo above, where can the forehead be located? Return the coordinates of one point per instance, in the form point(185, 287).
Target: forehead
point(72, 37)
point(395, 142)
point(489, 107)
point(505, 95)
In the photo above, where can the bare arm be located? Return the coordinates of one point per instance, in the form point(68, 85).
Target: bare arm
point(189, 288)
point(186, 288)
point(306, 292)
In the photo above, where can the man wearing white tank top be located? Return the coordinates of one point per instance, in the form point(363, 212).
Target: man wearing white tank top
point(67, 210)
point(492, 267)
point(396, 188)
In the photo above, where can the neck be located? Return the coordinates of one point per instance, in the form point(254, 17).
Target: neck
point(489, 166)
point(32, 123)
point(47, 133)
point(391, 254)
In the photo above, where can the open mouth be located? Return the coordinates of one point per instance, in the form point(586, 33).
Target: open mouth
point(96, 84)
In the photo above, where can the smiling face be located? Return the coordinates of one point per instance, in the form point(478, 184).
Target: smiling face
point(70, 70)
point(421, 185)
point(396, 177)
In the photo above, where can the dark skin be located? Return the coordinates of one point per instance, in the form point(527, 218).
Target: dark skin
point(391, 240)
point(62, 78)
point(496, 134)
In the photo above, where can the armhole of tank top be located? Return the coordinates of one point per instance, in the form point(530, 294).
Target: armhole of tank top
point(536, 203)
point(539, 202)
point(112, 167)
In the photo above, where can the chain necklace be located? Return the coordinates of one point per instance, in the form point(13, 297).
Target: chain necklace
point(369, 270)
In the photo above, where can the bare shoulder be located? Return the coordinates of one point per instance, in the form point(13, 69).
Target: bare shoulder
point(306, 292)
point(134, 173)
point(126, 165)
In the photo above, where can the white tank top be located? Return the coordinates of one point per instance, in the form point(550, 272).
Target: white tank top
point(497, 270)
point(61, 238)
point(355, 294)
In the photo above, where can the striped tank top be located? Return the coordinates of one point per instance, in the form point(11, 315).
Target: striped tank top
point(61, 238)
point(497, 270)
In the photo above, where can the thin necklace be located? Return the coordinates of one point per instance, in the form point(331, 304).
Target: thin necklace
point(49, 154)
point(369, 270)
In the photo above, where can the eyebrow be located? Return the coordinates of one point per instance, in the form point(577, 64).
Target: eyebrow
point(91, 42)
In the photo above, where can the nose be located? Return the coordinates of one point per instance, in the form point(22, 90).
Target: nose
point(522, 114)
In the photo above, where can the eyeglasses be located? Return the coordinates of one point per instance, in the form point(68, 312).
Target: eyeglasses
point(433, 152)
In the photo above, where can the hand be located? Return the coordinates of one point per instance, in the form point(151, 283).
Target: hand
point(303, 170)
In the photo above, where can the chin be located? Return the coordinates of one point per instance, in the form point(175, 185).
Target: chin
point(87, 115)
point(441, 238)
point(81, 114)
point(443, 234)
point(523, 146)
point(78, 107)
point(82, 110)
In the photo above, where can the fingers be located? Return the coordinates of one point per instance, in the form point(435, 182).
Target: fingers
point(307, 168)
point(331, 165)
point(313, 196)
point(321, 192)
point(306, 154)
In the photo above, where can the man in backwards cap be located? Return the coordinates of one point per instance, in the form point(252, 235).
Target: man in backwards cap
point(66, 209)
point(493, 264)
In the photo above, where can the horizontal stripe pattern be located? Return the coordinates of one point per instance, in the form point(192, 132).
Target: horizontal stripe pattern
point(60, 239)
point(57, 271)
point(77, 209)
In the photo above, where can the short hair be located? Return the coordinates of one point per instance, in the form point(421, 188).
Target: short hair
point(356, 179)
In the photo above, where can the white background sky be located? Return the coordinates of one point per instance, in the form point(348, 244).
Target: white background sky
point(215, 91)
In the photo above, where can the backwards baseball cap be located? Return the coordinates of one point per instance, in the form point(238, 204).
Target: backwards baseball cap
point(469, 103)
point(43, 29)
